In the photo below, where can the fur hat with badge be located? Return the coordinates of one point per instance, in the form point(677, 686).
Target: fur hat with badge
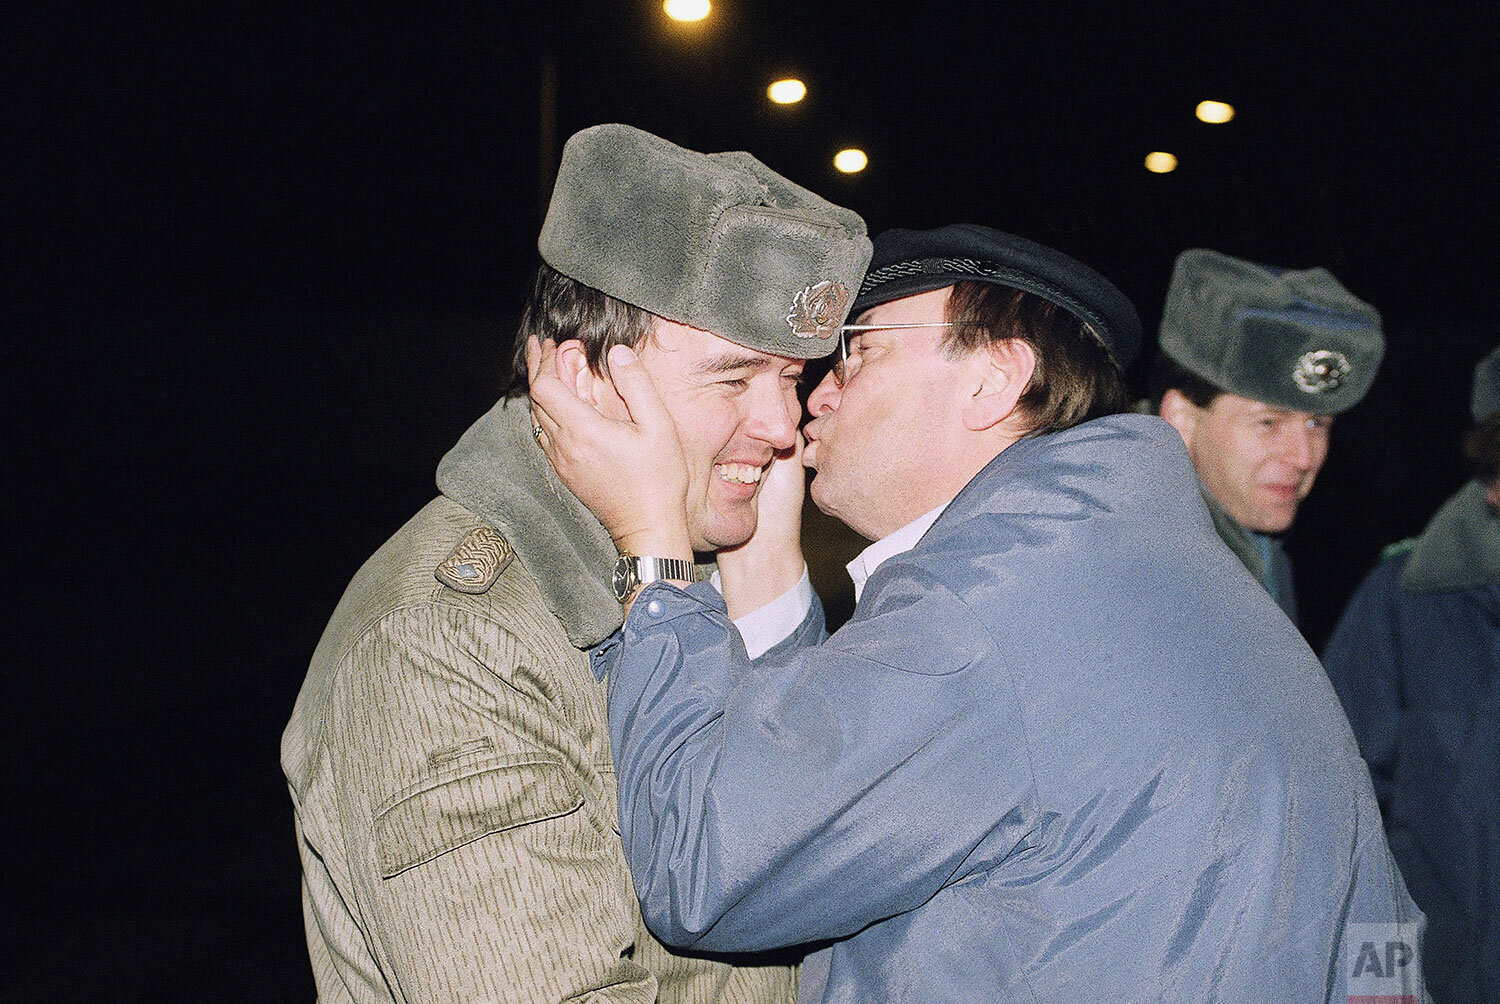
point(1484, 401)
point(1293, 338)
point(716, 241)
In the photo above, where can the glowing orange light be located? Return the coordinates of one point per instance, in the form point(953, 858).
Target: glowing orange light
point(1214, 112)
point(1160, 162)
point(851, 161)
point(787, 92)
point(686, 10)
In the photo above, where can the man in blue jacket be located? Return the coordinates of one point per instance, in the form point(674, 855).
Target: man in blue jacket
point(1024, 770)
point(1416, 661)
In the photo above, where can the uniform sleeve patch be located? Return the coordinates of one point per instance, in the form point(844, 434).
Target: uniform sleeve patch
point(476, 562)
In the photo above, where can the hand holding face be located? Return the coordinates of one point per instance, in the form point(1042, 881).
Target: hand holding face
point(770, 562)
point(630, 473)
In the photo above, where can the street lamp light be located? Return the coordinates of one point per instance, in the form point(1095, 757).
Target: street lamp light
point(850, 161)
point(686, 10)
point(787, 92)
point(1214, 112)
point(1160, 162)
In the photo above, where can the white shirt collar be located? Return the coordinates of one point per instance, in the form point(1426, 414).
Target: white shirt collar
point(899, 542)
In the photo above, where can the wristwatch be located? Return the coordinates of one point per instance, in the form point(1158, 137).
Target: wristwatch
point(633, 571)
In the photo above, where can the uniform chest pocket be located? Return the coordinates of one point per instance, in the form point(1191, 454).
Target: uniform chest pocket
point(448, 810)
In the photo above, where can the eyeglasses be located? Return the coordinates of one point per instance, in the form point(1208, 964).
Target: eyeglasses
point(848, 362)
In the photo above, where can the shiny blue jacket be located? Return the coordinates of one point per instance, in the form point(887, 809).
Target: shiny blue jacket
point(1067, 749)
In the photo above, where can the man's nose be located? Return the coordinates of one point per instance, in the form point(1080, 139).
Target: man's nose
point(774, 421)
point(825, 396)
point(1299, 446)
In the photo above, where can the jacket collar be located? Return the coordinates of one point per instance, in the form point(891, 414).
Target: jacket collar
point(497, 471)
point(1459, 549)
point(1125, 462)
point(1239, 540)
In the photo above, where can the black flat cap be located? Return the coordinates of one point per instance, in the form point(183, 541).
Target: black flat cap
point(908, 262)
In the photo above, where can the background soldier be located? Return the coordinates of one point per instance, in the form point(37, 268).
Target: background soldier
point(1255, 361)
point(1416, 661)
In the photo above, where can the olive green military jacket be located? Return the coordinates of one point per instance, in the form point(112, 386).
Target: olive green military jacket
point(449, 763)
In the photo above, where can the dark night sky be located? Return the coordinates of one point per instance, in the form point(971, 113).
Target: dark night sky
point(264, 261)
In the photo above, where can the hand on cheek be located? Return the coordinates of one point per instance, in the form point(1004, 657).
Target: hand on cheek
point(628, 468)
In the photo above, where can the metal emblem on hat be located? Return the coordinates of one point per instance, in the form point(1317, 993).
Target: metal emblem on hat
point(1321, 371)
point(818, 309)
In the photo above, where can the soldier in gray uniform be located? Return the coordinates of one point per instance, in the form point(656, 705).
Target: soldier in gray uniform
point(448, 757)
point(1255, 362)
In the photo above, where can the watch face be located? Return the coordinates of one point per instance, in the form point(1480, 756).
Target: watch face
point(624, 577)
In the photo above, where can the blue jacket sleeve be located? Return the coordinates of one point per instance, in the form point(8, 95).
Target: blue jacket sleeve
point(819, 790)
point(812, 630)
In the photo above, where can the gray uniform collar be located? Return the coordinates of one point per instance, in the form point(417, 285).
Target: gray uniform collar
point(1459, 549)
point(1237, 537)
point(497, 472)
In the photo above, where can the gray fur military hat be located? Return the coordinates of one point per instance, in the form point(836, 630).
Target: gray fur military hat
point(1485, 400)
point(717, 241)
point(1293, 338)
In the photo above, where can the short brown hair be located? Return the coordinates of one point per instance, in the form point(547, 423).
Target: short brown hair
point(1075, 380)
point(1168, 374)
point(561, 308)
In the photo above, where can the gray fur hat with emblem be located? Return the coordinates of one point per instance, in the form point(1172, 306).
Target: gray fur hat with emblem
point(716, 241)
point(1485, 400)
point(1293, 338)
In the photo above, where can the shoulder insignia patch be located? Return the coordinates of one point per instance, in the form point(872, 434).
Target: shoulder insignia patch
point(476, 562)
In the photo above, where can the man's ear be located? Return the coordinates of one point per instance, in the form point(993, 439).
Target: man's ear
point(1181, 414)
point(1002, 372)
point(599, 391)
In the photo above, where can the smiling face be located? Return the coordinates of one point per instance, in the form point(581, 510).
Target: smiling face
point(1258, 461)
point(734, 408)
